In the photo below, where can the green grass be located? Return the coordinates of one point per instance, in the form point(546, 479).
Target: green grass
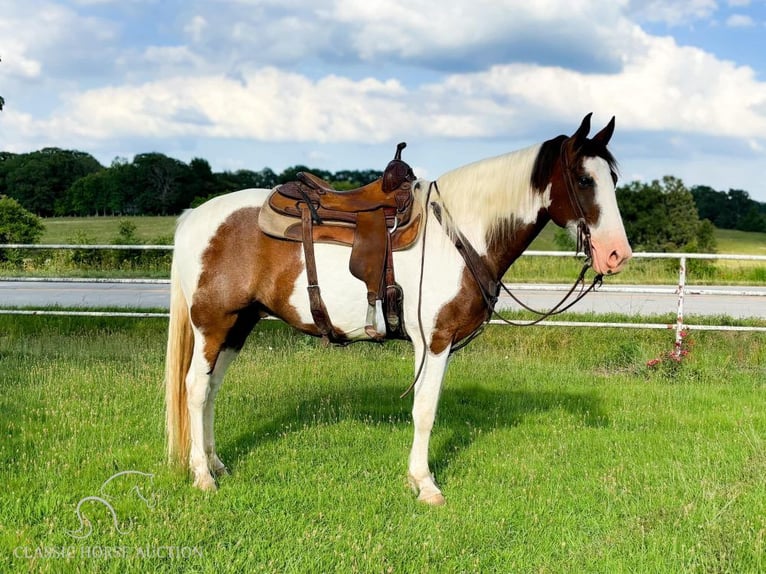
point(105, 229)
point(559, 450)
point(746, 243)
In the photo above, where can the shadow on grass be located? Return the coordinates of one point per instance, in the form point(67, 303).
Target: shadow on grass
point(462, 412)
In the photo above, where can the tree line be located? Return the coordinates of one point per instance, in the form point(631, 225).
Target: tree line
point(663, 215)
point(58, 182)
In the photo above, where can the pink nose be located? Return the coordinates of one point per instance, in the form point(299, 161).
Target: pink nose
point(617, 259)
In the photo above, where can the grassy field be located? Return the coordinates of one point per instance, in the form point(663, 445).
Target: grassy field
point(105, 229)
point(559, 450)
point(732, 241)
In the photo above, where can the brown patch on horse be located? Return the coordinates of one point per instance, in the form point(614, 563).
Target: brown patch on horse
point(461, 316)
point(238, 287)
point(465, 313)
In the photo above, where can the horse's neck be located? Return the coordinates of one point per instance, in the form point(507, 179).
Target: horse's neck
point(508, 245)
point(494, 204)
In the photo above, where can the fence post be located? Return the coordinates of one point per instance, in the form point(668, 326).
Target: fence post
point(680, 314)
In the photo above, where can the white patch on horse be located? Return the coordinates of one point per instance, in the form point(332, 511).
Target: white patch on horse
point(606, 198)
point(344, 296)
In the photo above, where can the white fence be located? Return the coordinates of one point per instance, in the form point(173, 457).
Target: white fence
point(682, 290)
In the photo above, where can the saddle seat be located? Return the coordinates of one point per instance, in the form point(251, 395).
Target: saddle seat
point(391, 191)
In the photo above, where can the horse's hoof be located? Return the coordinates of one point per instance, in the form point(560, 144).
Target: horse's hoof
point(221, 471)
point(205, 483)
point(435, 499)
point(430, 495)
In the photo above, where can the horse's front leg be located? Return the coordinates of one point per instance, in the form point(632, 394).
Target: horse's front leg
point(427, 392)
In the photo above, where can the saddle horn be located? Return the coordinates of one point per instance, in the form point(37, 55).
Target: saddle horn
point(397, 172)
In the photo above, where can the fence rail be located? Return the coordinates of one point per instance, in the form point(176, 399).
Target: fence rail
point(681, 290)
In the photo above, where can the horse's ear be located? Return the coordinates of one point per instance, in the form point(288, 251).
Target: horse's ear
point(605, 135)
point(582, 132)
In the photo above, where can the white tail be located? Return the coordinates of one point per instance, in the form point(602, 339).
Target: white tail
point(177, 362)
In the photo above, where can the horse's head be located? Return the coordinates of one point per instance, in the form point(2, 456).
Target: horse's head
point(583, 196)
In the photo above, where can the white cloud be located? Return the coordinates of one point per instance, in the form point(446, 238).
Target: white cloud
point(196, 27)
point(47, 39)
point(739, 21)
point(473, 34)
point(662, 86)
point(673, 12)
point(270, 105)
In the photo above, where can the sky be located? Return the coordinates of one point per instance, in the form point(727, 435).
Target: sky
point(335, 84)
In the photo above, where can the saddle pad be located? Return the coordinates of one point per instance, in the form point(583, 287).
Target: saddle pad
point(339, 233)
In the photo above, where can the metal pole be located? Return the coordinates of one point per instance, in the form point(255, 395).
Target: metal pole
point(680, 315)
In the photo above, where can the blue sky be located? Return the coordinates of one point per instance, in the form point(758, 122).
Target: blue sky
point(334, 84)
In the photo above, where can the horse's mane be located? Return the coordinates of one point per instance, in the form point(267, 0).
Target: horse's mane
point(490, 192)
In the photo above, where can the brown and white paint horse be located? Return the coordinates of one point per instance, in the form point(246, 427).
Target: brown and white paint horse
point(227, 274)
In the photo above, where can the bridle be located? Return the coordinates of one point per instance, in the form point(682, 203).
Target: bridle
point(583, 246)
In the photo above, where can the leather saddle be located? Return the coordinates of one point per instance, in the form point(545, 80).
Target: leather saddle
point(374, 219)
point(391, 193)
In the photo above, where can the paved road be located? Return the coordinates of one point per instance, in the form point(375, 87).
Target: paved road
point(81, 294)
point(660, 300)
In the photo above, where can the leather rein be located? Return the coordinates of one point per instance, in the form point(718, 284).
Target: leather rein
point(490, 287)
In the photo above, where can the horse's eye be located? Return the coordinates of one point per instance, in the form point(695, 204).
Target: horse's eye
point(585, 181)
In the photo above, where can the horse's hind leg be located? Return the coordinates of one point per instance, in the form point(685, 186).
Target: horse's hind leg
point(213, 353)
point(225, 359)
point(198, 390)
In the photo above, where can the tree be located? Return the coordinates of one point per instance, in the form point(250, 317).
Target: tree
point(662, 216)
point(40, 180)
point(200, 181)
point(246, 178)
point(17, 225)
point(290, 173)
point(732, 210)
point(157, 184)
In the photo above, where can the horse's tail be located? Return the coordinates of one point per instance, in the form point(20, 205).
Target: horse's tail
point(177, 363)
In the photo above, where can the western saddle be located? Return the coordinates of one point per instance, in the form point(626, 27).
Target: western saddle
point(375, 220)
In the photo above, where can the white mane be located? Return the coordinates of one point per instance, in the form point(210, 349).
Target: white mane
point(482, 195)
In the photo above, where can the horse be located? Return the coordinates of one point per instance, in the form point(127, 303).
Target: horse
point(227, 274)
